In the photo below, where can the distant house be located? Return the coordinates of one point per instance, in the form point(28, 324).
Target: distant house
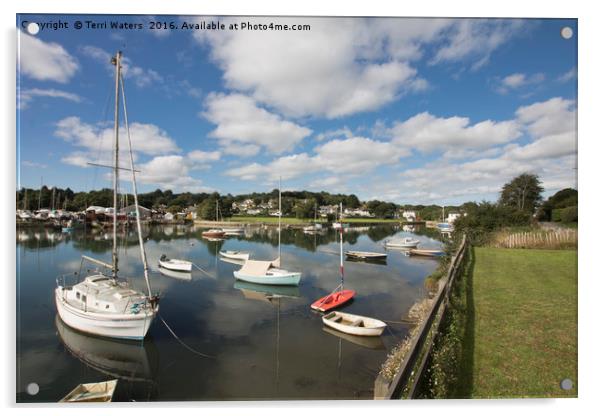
point(452, 216)
point(130, 211)
point(409, 216)
point(253, 211)
point(168, 216)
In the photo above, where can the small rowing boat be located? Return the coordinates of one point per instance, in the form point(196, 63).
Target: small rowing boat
point(427, 252)
point(213, 233)
point(233, 231)
point(91, 392)
point(175, 264)
point(354, 324)
point(235, 255)
point(365, 255)
point(404, 243)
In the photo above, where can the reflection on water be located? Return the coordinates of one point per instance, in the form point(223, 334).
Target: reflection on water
point(265, 340)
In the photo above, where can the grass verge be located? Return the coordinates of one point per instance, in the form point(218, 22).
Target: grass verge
point(512, 328)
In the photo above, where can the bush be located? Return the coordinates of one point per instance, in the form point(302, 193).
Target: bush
point(569, 214)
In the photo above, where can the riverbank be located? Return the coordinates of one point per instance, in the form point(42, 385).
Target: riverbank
point(245, 220)
point(513, 327)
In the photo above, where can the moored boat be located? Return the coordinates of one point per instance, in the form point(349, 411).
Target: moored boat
point(102, 304)
point(333, 300)
point(235, 255)
point(91, 392)
point(175, 264)
point(405, 243)
point(354, 324)
point(366, 255)
point(427, 252)
point(266, 273)
point(213, 233)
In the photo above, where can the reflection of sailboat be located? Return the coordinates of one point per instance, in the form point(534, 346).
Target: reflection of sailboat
point(175, 274)
point(262, 292)
point(124, 360)
point(373, 343)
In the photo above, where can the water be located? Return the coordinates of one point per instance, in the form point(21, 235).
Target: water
point(260, 347)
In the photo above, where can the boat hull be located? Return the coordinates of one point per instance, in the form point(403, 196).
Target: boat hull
point(333, 300)
point(290, 279)
point(176, 267)
point(121, 326)
point(374, 329)
point(234, 256)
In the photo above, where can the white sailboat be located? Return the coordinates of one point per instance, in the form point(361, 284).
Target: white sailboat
point(340, 223)
point(269, 272)
point(102, 304)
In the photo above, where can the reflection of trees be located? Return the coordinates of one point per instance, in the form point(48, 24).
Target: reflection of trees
point(380, 232)
point(433, 233)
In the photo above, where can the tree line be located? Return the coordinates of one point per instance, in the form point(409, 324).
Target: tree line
point(300, 204)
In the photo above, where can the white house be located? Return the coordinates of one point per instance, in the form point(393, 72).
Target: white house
point(452, 216)
point(409, 216)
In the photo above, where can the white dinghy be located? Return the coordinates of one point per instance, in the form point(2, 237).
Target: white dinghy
point(235, 255)
point(404, 243)
point(354, 324)
point(102, 304)
point(175, 264)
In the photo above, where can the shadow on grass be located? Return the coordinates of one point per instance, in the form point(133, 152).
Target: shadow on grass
point(466, 366)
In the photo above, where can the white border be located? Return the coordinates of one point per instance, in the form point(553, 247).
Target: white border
point(589, 186)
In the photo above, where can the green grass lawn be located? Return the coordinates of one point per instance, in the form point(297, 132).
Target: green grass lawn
point(524, 326)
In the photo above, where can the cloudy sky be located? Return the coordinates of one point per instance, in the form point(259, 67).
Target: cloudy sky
point(406, 110)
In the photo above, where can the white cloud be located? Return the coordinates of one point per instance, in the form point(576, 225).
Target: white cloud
point(27, 96)
point(31, 164)
point(170, 172)
point(241, 122)
point(357, 155)
point(428, 133)
point(342, 66)
point(45, 61)
point(517, 81)
point(570, 75)
point(476, 40)
point(557, 115)
point(165, 168)
point(146, 138)
point(141, 77)
point(352, 157)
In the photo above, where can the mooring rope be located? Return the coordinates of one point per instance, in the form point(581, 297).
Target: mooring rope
point(182, 342)
point(201, 269)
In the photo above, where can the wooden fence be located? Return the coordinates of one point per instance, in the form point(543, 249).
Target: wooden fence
point(559, 238)
point(414, 363)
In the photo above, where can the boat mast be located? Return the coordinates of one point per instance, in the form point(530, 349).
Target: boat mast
point(341, 254)
point(138, 222)
point(116, 60)
point(279, 216)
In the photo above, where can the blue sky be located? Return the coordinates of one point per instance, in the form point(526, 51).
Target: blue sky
point(407, 110)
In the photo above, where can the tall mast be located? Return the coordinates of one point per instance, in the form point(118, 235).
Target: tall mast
point(40, 194)
point(341, 256)
point(116, 60)
point(279, 214)
point(138, 224)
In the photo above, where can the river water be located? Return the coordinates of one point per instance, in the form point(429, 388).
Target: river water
point(260, 347)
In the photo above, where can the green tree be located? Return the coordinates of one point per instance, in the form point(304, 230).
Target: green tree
point(522, 193)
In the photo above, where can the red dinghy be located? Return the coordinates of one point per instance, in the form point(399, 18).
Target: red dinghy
point(333, 300)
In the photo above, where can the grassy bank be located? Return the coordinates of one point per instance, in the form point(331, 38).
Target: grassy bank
point(291, 220)
point(512, 331)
